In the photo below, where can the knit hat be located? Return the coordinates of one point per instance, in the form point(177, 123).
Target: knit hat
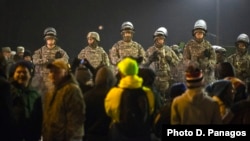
point(27, 64)
point(128, 66)
point(194, 77)
point(59, 63)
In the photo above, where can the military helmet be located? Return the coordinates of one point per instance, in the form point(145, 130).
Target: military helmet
point(175, 47)
point(243, 38)
point(20, 49)
point(219, 49)
point(127, 26)
point(161, 31)
point(94, 35)
point(50, 32)
point(200, 24)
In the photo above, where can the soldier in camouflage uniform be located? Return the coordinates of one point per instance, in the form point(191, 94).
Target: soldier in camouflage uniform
point(241, 59)
point(199, 52)
point(45, 55)
point(126, 47)
point(94, 53)
point(220, 54)
point(160, 57)
point(177, 72)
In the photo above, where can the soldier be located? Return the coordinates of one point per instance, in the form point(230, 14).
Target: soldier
point(177, 72)
point(220, 54)
point(199, 52)
point(6, 51)
point(160, 58)
point(177, 51)
point(94, 53)
point(126, 47)
point(19, 53)
point(45, 55)
point(240, 59)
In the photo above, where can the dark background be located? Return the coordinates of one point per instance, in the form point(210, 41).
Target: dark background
point(23, 21)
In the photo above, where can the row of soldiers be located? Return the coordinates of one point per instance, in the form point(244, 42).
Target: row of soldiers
point(167, 62)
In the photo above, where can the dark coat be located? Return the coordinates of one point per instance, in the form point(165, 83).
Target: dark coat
point(97, 122)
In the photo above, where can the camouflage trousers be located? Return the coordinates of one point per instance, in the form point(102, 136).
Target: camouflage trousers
point(162, 86)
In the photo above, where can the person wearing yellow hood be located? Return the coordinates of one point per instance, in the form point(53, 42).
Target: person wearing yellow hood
point(129, 103)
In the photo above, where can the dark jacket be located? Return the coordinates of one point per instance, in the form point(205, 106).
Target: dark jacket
point(27, 110)
point(97, 122)
point(64, 112)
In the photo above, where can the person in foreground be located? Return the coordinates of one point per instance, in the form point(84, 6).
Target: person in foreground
point(194, 106)
point(130, 105)
point(64, 106)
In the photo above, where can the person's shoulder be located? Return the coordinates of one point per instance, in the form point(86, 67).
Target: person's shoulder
point(137, 43)
point(116, 44)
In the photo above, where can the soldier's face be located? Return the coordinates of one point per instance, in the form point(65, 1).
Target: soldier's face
point(160, 40)
point(241, 46)
point(127, 35)
point(50, 42)
point(199, 35)
point(22, 75)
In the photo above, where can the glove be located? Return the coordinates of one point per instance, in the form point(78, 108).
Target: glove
point(168, 58)
point(154, 56)
point(207, 53)
point(58, 55)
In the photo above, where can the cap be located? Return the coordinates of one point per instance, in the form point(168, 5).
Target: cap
point(27, 53)
point(59, 63)
point(6, 49)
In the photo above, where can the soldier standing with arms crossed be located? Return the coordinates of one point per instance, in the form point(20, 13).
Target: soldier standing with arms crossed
point(45, 55)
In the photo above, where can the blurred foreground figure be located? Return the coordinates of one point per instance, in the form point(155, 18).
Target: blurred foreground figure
point(64, 106)
point(194, 106)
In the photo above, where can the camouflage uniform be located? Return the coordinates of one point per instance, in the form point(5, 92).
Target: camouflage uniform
point(241, 59)
point(199, 52)
point(203, 55)
point(162, 63)
point(177, 71)
point(96, 56)
point(123, 49)
point(126, 47)
point(41, 58)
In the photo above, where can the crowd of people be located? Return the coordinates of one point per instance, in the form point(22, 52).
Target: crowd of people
point(125, 94)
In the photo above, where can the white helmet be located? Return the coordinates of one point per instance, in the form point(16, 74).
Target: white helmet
point(200, 25)
point(94, 35)
point(161, 31)
point(243, 38)
point(127, 26)
point(219, 48)
point(50, 32)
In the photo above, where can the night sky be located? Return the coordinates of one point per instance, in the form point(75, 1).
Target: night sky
point(23, 21)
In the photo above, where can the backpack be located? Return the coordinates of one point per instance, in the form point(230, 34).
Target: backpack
point(134, 113)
